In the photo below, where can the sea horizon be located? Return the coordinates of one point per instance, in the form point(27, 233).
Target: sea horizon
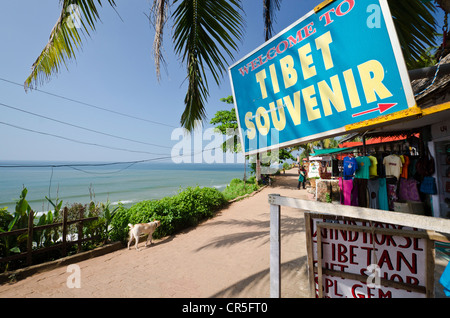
point(128, 183)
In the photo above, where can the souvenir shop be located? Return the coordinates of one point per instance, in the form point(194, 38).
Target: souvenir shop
point(402, 171)
point(407, 169)
point(390, 176)
point(403, 164)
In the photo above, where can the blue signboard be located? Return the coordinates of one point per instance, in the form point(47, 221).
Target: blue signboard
point(334, 67)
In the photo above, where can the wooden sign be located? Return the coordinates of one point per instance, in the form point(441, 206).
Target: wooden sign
point(362, 259)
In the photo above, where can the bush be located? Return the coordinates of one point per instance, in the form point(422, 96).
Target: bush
point(119, 224)
point(176, 213)
point(238, 188)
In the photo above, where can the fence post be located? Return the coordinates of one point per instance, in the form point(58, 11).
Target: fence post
point(30, 238)
point(80, 230)
point(64, 232)
point(275, 249)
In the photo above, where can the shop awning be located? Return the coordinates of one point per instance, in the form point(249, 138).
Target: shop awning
point(321, 152)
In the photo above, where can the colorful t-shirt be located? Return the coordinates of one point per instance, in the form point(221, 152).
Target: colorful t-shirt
point(393, 166)
point(363, 168)
point(405, 167)
point(350, 166)
point(373, 170)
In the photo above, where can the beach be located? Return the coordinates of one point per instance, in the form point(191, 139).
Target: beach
point(123, 183)
point(225, 257)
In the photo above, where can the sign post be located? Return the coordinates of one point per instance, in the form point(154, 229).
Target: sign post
point(337, 69)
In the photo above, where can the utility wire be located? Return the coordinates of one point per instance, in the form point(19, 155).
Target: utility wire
point(80, 127)
point(75, 166)
point(66, 165)
point(91, 105)
point(129, 163)
point(77, 141)
point(101, 173)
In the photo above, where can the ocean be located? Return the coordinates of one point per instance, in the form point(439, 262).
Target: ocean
point(116, 183)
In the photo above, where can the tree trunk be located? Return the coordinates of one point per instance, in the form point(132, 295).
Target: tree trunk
point(445, 4)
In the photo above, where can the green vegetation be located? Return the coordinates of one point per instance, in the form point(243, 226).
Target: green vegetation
point(186, 209)
point(238, 188)
point(178, 212)
point(99, 230)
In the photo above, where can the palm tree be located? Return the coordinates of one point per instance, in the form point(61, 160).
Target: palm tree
point(416, 28)
point(444, 4)
point(269, 7)
point(205, 36)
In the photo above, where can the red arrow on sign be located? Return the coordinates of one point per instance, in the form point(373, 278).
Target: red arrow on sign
point(381, 108)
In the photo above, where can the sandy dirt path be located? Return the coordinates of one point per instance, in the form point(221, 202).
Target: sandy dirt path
point(227, 256)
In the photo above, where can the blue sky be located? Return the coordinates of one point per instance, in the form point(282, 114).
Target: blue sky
point(114, 70)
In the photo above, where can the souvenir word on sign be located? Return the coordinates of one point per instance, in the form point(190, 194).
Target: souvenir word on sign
point(332, 69)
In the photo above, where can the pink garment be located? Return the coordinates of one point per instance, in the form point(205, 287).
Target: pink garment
point(346, 187)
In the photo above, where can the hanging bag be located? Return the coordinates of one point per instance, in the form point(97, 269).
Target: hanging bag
point(425, 165)
point(428, 185)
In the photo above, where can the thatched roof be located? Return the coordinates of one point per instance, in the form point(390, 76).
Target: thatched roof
point(429, 93)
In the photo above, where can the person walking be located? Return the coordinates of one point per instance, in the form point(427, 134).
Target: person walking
point(301, 177)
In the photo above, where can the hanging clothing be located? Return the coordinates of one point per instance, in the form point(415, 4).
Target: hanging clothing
point(381, 171)
point(392, 195)
point(350, 166)
point(412, 167)
point(383, 200)
point(355, 194)
point(335, 167)
point(363, 168)
point(361, 186)
point(408, 190)
point(346, 187)
point(393, 166)
point(373, 187)
point(405, 166)
point(373, 170)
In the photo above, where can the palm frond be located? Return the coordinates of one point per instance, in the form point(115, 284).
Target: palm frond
point(416, 27)
point(269, 7)
point(159, 15)
point(65, 39)
point(204, 31)
point(444, 4)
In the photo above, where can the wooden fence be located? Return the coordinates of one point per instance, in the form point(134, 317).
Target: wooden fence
point(63, 246)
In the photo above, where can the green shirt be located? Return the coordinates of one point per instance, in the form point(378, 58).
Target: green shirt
point(363, 168)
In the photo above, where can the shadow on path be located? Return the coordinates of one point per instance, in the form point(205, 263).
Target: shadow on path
point(289, 226)
point(259, 281)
